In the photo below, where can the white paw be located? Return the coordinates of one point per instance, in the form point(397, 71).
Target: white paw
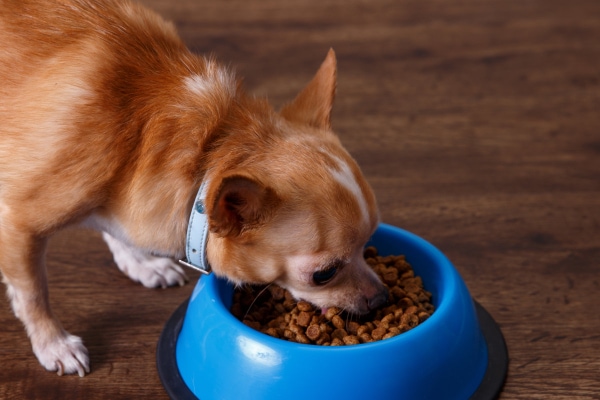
point(149, 270)
point(64, 354)
point(153, 271)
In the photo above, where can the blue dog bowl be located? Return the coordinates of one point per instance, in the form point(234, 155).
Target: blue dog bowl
point(458, 353)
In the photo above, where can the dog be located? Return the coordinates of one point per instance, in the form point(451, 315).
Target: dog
point(108, 121)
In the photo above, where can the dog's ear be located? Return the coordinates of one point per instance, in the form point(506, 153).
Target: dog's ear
point(313, 105)
point(241, 203)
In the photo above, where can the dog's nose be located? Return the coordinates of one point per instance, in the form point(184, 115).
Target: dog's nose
point(378, 300)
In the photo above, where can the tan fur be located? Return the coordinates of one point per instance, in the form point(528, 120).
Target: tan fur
point(107, 120)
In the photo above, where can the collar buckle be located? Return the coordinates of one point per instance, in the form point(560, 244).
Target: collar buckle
point(185, 263)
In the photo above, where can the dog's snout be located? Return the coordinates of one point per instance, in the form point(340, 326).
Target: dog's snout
point(378, 300)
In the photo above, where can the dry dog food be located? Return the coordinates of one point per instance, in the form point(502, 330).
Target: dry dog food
point(273, 311)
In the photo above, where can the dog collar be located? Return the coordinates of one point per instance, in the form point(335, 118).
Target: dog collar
point(197, 234)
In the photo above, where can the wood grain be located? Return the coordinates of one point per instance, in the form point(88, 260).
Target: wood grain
point(476, 122)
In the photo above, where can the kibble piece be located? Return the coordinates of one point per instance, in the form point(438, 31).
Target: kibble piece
point(382, 324)
point(409, 319)
point(301, 338)
point(411, 310)
point(256, 316)
point(304, 306)
point(389, 318)
point(412, 288)
point(390, 276)
point(352, 327)
point(339, 334)
point(370, 252)
point(388, 335)
point(378, 333)
point(423, 316)
point(397, 292)
point(413, 296)
point(386, 259)
point(294, 327)
point(379, 268)
point(277, 292)
point(365, 338)
point(371, 262)
point(405, 302)
point(331, 312)
point(313, 332)
point(423, 297)
point(389, 309)
point(324, 338)
point(279, 308)
point(289, 304)
point(338, 322)
point(351, 339)
point(252, 324)
point(398, 312)
point(288, 334)
point(304, 319)
point(272, 332)
point(408, 274)
point(362, 330)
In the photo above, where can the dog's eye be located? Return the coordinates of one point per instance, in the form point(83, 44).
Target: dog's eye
point(325, 275)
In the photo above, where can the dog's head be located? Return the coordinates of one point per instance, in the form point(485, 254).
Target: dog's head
point(295, 208)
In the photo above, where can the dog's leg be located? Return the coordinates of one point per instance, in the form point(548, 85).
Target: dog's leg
point(24, 273)
point(149, 270)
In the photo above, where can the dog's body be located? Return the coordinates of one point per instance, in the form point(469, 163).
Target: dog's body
point(107, 120)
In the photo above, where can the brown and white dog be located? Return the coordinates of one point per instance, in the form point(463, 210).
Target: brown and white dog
point(108, 121)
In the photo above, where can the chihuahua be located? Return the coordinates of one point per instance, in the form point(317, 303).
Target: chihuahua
point(107, 121)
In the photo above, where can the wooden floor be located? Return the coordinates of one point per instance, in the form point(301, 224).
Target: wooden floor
point(477, 124)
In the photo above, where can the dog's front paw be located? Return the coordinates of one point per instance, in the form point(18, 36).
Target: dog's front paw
point(64, 354)
point(155, 272)
point(149, 270)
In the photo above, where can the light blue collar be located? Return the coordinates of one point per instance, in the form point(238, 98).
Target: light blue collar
point(197, 234)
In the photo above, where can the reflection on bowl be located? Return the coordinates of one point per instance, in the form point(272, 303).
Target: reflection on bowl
point(207, 352)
